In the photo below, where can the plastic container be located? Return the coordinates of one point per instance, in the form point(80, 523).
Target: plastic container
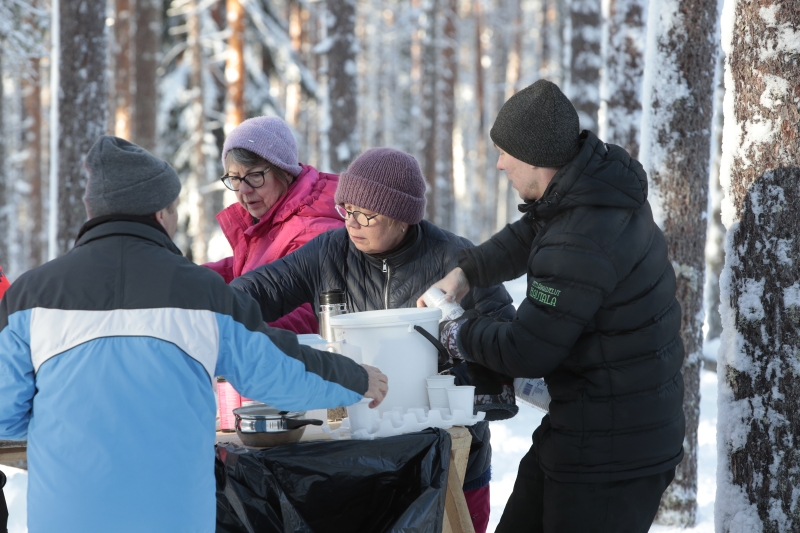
point(461, 398)
point(388, 340)
point(434, 297)
point(533, 392)
point(319, 343)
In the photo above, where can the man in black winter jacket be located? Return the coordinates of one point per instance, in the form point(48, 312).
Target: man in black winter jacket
point(600, 322)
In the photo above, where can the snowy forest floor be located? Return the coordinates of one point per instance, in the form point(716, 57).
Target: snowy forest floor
point(511, 439)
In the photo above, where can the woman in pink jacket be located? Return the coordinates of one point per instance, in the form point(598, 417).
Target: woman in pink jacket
point(282, 204)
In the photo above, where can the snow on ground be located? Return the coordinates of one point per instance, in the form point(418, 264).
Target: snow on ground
point(511, 440)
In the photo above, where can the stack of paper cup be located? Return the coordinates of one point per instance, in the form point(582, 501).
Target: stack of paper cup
point(437, 390)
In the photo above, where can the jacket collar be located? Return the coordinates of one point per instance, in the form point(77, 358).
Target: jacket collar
point(600, 175)
point(405, 256)
point(132, 225)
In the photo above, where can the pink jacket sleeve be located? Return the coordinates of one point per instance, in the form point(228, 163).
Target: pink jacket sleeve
point(223, 267)
point(301, 320)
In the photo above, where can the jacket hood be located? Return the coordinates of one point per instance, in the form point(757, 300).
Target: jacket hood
point(301, 199)
point(601, 175)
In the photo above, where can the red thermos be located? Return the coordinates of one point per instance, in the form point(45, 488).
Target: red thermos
point(4, 283)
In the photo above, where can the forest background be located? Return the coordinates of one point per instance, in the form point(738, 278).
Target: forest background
point(665, 79)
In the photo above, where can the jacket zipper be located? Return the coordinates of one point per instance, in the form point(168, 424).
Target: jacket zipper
point(386, 288)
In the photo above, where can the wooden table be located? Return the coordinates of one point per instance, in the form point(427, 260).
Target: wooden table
point(456, 515)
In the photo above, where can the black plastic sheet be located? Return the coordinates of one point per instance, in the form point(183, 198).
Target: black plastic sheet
point(385, 485)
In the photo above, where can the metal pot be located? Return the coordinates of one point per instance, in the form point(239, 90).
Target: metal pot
point(262, 426)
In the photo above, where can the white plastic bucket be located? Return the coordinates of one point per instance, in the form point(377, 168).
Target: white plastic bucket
point(389, 341)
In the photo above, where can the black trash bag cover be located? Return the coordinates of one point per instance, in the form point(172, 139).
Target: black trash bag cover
point(390, 484)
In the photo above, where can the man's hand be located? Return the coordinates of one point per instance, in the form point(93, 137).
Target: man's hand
point(454, 286)
point(378, 386)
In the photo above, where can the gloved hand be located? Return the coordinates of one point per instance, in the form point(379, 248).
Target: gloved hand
point(494, 392)
point(448, 336)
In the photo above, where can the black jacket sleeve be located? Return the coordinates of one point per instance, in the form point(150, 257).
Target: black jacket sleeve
point(501, 258)
point(284, 285)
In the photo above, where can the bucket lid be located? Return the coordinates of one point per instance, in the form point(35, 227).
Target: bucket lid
point(385, 317)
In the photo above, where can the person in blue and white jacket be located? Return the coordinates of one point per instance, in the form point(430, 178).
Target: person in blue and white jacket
point(107, 356)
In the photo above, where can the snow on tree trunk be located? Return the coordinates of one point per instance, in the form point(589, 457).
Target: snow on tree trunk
point(620, 112)
point(715, 245)
point(676, 139)
point(123, 71)
point(82, 105)
point(32, 143)
point(147, 45)
point(758, 428)
point(234, 66)
point(583, 88)
point(342, 84)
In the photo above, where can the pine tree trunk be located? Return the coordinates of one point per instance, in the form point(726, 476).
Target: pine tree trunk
point(342, 84)
point(678, 105)
point(82, 107)
point(148, 43)
point(446, 118)
point(198, 218)
point(624, 35)
point(235, 74)
point(430, 106)
point(758, 429)
point(32, 142)
point(123, 71)
point(585, 61)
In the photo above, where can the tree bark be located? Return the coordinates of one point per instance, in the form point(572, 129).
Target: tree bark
point(4, 200)
point(123, 71)
point(82, 107)
point(235, 73)
point(342, 84)
point(758, 428)
point(147, 44)
point(676, 141)
point(624, 35)
point(32, 143)
point(199, 230)
point(583, 88)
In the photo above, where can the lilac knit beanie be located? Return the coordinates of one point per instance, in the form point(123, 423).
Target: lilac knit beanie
point(386, 181)
point(268, 137)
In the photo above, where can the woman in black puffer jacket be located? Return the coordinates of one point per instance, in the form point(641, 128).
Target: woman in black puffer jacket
point(384, 258)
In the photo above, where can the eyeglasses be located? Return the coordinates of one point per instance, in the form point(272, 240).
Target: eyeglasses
point(253, 179)
point(361, 218)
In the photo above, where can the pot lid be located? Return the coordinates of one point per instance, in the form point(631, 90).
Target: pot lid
point(263, 411)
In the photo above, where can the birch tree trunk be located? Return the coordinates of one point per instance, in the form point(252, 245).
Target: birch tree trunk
point(758, 427)
point(676, 141)
point(583, 88)
point(147, 45)
point(624, 35)
point(123, 71)
point(32, 143)
point(82, 107)
point(342, 84)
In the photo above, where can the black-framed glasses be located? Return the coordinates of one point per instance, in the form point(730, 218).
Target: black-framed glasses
point(253, 179)
point(361, 218)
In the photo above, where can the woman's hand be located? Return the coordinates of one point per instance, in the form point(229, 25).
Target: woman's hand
point(454, 286)
point(378, 386)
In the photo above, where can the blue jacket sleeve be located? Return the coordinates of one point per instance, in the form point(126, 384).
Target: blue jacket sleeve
point(270, 366)
point(17, 382)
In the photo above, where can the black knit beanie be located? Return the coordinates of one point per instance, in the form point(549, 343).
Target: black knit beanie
point(539, 126)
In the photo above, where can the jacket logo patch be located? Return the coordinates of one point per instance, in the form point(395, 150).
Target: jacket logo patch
point(543, 293)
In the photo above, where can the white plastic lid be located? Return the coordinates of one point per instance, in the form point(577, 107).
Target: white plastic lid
point(385, 317)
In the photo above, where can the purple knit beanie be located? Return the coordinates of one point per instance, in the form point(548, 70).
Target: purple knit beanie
point(385, 181)
point(268, 137)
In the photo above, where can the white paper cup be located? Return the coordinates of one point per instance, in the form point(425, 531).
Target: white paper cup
point(360, 415)
point(440, 382)
point(438, 398)
point(462, 397)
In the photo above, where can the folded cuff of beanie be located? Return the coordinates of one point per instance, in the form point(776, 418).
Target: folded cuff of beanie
point(380, 199)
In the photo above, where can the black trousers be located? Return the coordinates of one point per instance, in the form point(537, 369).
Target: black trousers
point(540, 504)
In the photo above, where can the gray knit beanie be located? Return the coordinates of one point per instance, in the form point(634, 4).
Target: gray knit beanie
point(539, 126)
point(125, 179)
point(385, 181)
point(267, 137)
